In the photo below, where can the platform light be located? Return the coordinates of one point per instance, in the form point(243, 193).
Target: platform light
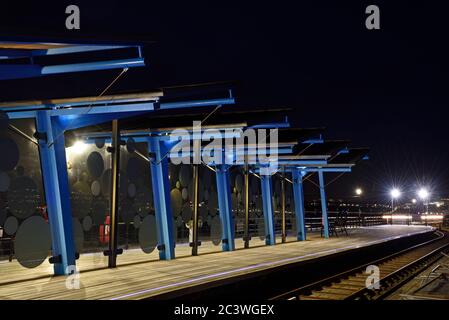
point(413, 201)
point(79, 147)
point(395, 193)
point(423, 193)
point(358, 191)
point(397, 217)
point(432, 217)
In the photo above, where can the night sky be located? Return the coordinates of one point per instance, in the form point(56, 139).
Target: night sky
point(385, 89)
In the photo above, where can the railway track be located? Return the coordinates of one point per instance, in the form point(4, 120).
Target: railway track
point(395, 270)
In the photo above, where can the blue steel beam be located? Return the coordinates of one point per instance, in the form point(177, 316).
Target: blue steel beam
point(77, 48)
point(161, 196)
point(298, 194)
point(325, 218)
point(26, 53)
point(54, 172)
point(8, 72)
point(93, 66)
point(196, 103)
point(224, 204)
point(268, 212)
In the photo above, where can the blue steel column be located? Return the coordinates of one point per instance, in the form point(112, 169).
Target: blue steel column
point(57, 196)
point(323, 204)
point(161, 196)
point(224, 204)
point(268, 212)
point(298, 194)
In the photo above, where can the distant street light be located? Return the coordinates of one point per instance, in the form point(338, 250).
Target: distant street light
point(413, 201)
point(358, 191)
point(423, 194)
point(395, 193)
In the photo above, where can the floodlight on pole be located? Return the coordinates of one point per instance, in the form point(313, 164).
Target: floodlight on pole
point(394, 193)
point(423, 193)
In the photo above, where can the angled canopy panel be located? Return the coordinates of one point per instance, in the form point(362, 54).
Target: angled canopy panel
point(352, 156)
point(34, 59)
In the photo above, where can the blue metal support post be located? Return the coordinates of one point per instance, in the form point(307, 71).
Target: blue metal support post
point(298, 194)
point(268, 212)
point(57, 194)
point(224, 204)
point(161, 195)
point(323, 205)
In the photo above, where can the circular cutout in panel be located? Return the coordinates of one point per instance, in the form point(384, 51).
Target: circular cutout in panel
point(137, 221)
point(99, 142)
point(78, 235)
point(95, 188)
point(5, 181)
point(81, 187)
point(33, 242)
point(130, 145)
point(23, 197)
point(147, 234)
point(239, 183)
point(185, 194)
point(80, 203)
point(11, 225)
point(127, 211)
point(99, 212)
point(215, 230)
point(132, 190)
point(186, 213)
point(185, 175)
point(176, 201)
point(95, 164)
point(10, 156)
point(87, 223)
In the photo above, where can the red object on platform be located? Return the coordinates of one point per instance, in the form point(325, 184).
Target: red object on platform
point(104, 231)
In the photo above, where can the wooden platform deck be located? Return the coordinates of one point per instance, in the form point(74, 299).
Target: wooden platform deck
point(137, 279)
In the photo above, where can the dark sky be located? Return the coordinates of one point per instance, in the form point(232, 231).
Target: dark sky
point(385, 89)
